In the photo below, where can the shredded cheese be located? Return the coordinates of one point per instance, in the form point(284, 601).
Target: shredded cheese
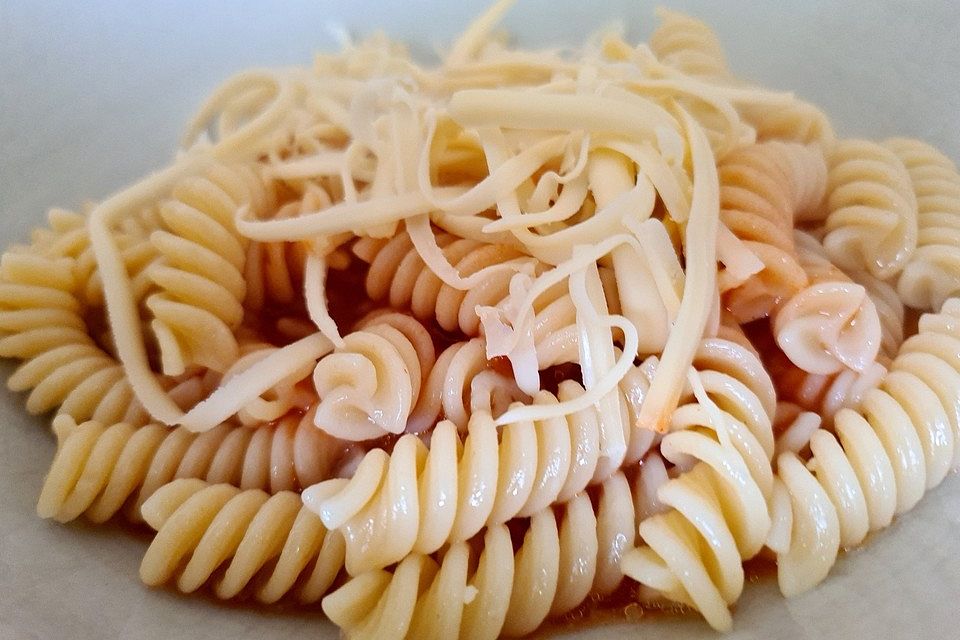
point(700, 249)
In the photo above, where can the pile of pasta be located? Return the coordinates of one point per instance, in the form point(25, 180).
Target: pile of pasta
point(455, 350)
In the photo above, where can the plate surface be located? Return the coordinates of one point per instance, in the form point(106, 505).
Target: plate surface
point(94, 94)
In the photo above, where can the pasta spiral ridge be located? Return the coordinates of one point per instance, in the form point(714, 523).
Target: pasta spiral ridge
point(200, 275)
point(398, 275)
point(688, 45)
point(798, 121)
point(827, 394)
point(454, 488)
point(933, 273)
point(757, 201)
point(369, 386)
point(273, 271)
point(487, 589)
point(42, 324)
point(872, 221)
point(270, 543)
point(717, 513)
point(833, 323)
point(879, 460)
point(461, 383)
point(101, 468)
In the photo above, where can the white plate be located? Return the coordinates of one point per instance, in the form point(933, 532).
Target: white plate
point(93, 95)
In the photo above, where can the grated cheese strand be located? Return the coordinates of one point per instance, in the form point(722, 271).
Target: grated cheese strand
point(700, 249)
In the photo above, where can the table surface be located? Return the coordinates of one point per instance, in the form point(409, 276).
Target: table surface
point(93, 95)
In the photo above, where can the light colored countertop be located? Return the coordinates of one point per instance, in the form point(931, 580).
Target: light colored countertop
point(94, 94)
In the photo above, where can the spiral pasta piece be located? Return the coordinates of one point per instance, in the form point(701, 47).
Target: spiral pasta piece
point(268, 542)
point(899, 443)
point(370, 385)
point(717, 513)
point(872, 224)
point(454, 488)
point(273, 271)
point(461, 383)
point(933, 273)
point(101, 468)
point(42, 324)
point(833, 323)
point(688, 45)
point(137, 252)
point(398, 275)
point(568, 553)
point(890, 310)
point(200, 276)
point(294, 393)
point(827, 394)
point(757, 199)
point(798, 121)
point(66, 236)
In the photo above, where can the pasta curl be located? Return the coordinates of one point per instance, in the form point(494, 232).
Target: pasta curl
point(370, 385)
point(101, 469)
point(689, 45)
point(899, 443)
point(758, 197)
point(269, 543)
point(200, 276)
point(717, 513)
point(933, 273)
point(872, 224)
point(833, 323)
point(454, 488)
point(42, 324)
point(487, 589)
point(398, 275)
point(462, 382)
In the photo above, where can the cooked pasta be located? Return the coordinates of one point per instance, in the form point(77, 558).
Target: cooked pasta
point(689, 45)
point(489, 589)
point(370, 386)
point(872, 221)
point(462, 383)
point(930, 276)
point(476, 345)
point(758, 197)
point(200, 276)
point(796, 121)
point(833, 323)
point(900, 443)
point(100, 468)
point(399, 276)
point(717, 516)
point(41, 321)
point(270, 543)
point(457, 486)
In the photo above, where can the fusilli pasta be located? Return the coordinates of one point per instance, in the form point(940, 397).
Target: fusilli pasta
point(40, 317)
point(625, 323)
point(885, 455)
point(454, 488)
point(758, 198)
point(370, 385)
point(200, 273)
point(833, 323)
point(101, 468)
point(872, 224)
point(486, 589)
point(270, 542)
point(933, 273)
